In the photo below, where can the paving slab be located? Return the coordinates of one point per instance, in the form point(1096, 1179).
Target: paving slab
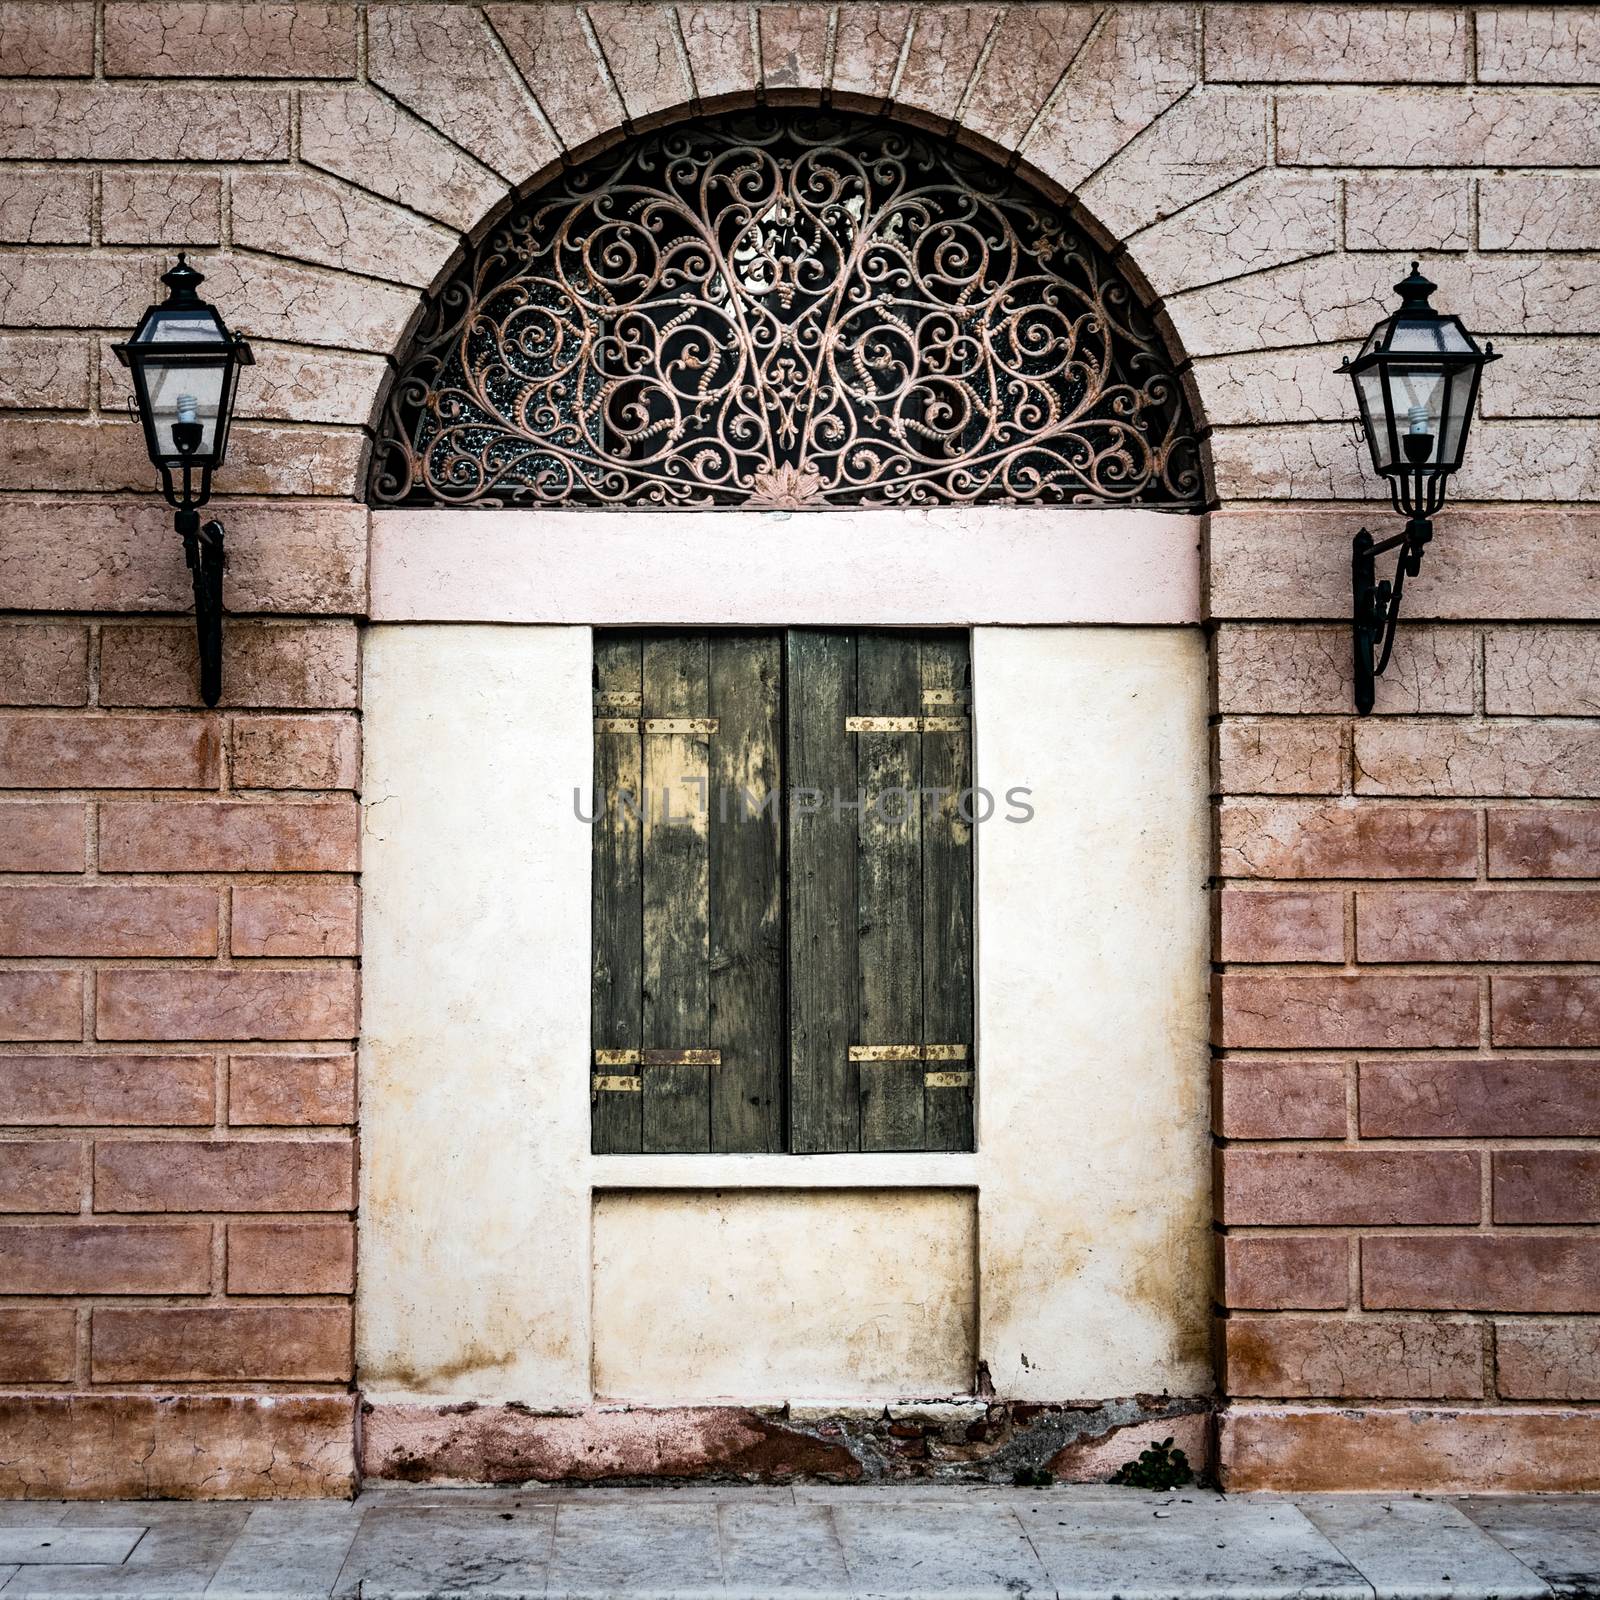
point(52, 1545)
point(1152, 1547)
point(1559, 1538)
point(1409, 1548)
point(647, 1548)
point(34, 1513)
point(770, 1550)
point(400, 1553)
point(867, 1543)
point(894, 1552)
point(182, 1547)
point(288, 1550)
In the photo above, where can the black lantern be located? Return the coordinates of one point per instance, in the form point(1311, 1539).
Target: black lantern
point(184, 362)
point(1416, 382)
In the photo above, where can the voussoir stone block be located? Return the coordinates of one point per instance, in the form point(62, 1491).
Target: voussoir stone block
point(367, 138)
point(557, 59)
point(642, 56)
point(1014, 83)
point(1208, 140)
point(440, 61)
point(946, 42)
point(322, 220)
point(1141, 59)
point(794, 46)
point(1265, 221)
point(866, 50)
point(720, 37)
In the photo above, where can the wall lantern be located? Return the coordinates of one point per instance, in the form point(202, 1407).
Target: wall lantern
point(1416, 383)
point(184, 362)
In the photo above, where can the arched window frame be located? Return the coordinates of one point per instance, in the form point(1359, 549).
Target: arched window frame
point(787, 307)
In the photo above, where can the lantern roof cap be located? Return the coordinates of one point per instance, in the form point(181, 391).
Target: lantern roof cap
point(1413, 290)
point(182, 282)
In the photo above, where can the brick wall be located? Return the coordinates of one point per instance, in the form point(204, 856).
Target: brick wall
point(1408, 1001)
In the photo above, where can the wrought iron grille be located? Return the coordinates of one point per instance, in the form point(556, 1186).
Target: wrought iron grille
point(786, 308)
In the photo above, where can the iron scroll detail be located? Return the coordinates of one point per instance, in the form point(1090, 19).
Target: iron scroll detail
point(786, 308)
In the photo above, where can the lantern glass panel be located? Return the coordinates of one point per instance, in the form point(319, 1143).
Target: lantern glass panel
point(189, 391)
point(1373, 401)
point(1418, 396)
point(1460, 388)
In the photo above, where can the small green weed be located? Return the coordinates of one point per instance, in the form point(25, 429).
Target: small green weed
point(1159, 1467)
point(1033, 1477)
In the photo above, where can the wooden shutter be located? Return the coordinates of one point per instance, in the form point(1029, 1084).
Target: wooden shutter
point(687, 1026)
point(880, 892)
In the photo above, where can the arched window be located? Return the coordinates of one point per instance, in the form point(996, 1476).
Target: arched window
point(786, 307)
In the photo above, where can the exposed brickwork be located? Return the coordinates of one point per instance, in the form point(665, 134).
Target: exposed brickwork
point(1408, 968)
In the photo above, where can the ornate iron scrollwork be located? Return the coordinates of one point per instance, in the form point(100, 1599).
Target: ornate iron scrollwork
point(786, 308)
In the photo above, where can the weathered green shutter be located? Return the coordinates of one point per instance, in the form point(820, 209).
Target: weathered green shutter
point(880, 892)
point(695, 758)
point(687, 1013)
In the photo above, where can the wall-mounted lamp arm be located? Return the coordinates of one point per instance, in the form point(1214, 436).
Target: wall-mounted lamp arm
point(1377, 604)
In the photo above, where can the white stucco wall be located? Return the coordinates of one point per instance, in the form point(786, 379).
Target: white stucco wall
point(478, 1193)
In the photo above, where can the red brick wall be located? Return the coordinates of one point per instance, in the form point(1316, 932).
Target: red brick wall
point(178, 1001)
point(1408, 999)
point(1407, 1089)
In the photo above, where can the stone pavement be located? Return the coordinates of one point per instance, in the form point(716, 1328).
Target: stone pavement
point(1076, 1543)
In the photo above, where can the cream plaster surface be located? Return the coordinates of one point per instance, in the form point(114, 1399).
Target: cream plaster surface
point(1091, 1174)
point(1093, 1151)
point(945, 567)
point(763, 1295)
point(474, 1104)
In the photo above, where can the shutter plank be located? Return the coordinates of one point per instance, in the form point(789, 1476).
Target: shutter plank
point(677, 1013)
point(824, 1094)
point(616, 999)
point(746, 844)
point(889, 891)
point(947, 890)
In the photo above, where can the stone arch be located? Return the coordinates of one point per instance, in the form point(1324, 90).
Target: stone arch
point(468, 107)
